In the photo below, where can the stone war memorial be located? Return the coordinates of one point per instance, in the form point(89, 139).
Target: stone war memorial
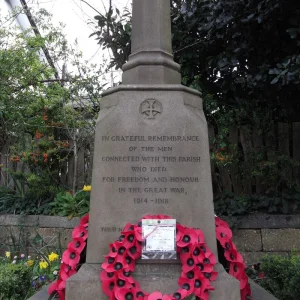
point(152, 159)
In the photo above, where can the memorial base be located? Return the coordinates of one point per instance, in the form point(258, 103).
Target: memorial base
point(151, 277)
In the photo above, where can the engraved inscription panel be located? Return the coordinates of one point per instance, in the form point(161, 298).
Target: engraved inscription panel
point(149, 180)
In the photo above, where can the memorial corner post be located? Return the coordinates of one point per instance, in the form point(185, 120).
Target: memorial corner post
point(151, 157)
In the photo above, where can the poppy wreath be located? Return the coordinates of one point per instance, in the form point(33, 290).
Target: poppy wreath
point(196, 258)
point(235, 262)
point(130, 238)
point(71, 259)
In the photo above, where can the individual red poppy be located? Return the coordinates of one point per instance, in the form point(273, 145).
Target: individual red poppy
point(135, 251)
point(237, 270)
point(138, 233)
point(114, 264)
point(64, 275)
point(125, 294)
point(200, 235)
point(108, 286)
point(157, 296)
point(227, 244)
point(221, 223)
point(53, 287)
point(243, 281)
point(188, 237)
point(77, 244)
point(71, 257)
point(126, 275)
point(129, 234)
point(140, 294)
point(65, 267)
point(61, 285)
point(114, 249)
point(121, 283)
point(181, 294)
point(222, 232)
point(233, 256)
point(80, 232)
point(204, 295)
point(208, 262)
point(105, 276)
point(84, 221)
point(246, 292)
point(179, 231)
point(188, 263)
point(62, 295)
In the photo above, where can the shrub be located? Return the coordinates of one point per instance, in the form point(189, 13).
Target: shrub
point(281, 276)
point(68, 205)
point(15, 281)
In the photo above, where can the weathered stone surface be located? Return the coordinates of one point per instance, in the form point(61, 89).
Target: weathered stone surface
point(258, 293)
point(280, 239)
point(41, 295)
point(260, 221)
point(226, 287)
point(151, 60)
point(51, 236)
point(251, 258)
point(85, 285)
point(247, 240)
point(57, 222)
point(18, 220)
point(115, 203)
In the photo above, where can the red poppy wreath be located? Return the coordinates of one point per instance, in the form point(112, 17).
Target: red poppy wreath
point(116, 275)
point(196, 258)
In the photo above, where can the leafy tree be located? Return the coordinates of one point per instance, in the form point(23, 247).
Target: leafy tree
point(40, 113)
point(243, 53)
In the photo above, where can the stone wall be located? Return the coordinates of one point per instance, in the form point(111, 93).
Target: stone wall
point(256, 235)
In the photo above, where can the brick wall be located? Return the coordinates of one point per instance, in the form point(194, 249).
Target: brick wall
point(256, 235)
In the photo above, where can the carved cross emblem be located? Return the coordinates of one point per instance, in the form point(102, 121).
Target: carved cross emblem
point(150, 108)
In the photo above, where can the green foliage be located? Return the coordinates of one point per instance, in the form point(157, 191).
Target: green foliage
point(15, 281)
point(281, 276)
point(252, 71)
point(44, 116)
point(230, 204)
point(113, 32)
point(28, 250)
point(68, 205)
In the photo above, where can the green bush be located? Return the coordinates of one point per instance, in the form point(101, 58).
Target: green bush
point(68, 205)
point(15, 281)
point(281, 276)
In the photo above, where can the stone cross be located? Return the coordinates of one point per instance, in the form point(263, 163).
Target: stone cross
point(151, 157)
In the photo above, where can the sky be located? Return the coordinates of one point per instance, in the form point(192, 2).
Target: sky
point(76, 14)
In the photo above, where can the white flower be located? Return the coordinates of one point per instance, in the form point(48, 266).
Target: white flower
point(15, 257)
point(29, 256)
point(55, 272)
point(14, 261)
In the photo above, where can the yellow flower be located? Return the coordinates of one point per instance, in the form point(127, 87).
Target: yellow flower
point(30, 262)
point(87, 188)
point(53, 256)
point(7, 254)
point(43, 264)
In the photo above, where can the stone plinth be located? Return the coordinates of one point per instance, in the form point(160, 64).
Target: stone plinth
point(151, 157)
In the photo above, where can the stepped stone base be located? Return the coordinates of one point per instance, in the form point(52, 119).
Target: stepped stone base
point(151, 277)
point(85, 285)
